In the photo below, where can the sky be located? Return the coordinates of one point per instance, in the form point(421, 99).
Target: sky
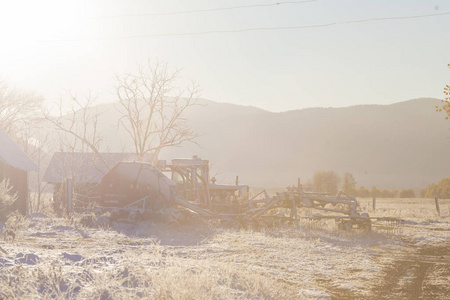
point(55, 46)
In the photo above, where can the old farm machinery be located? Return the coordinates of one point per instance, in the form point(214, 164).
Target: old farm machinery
point(185, 184)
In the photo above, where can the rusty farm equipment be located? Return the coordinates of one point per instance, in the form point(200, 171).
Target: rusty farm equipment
point(185, 185)
point(141, 187)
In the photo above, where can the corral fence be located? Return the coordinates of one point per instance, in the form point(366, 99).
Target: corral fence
point(404, 207)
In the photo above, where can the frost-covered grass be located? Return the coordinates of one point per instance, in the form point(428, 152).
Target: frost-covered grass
point(56, 259)
point(60, 258)
point(422, 226)
point(407, 208)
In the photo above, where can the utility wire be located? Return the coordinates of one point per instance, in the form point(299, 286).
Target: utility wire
point(258, 28)
point(201, 10)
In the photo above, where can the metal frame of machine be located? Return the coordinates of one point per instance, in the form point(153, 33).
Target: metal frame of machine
point(198, 193)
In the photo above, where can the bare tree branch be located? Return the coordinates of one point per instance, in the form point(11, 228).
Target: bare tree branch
point(79, 125)
point(17, 108)
point(153, 109)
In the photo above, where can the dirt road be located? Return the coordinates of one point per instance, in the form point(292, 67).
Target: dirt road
point(422, 274)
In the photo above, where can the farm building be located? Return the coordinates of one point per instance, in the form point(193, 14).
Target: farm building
point(86, 170)
point(130, 182)
point(14, 165)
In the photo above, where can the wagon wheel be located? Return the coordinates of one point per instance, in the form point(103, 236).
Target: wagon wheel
point(344, 225)
point(173, 224)
point(367, 226)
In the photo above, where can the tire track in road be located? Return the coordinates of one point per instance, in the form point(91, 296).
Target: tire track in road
point(424, 274)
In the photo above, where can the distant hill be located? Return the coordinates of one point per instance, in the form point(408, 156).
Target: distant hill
point(402, 145)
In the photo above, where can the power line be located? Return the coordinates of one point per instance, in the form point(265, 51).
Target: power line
point(259, 28)
point(201, 10)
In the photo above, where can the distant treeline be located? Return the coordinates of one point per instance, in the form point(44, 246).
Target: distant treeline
point(440, 190)
point(330, 182)
point(382, 193)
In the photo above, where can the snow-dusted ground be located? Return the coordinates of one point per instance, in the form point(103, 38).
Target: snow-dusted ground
point(60, 258)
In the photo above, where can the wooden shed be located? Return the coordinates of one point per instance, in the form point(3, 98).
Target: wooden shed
point(14, 165)
point(86, 170)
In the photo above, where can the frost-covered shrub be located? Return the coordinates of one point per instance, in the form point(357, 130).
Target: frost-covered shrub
point(7, 200)
point(441, 190)
point(16, 221)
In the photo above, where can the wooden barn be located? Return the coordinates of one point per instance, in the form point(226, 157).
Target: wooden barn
point(14, 165)
point(86, 170)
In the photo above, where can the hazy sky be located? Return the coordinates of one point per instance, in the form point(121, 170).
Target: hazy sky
point(52, 46)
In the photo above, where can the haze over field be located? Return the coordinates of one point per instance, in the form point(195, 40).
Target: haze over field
point(277, 55)
point(403, 145)
point(351, 97)
point(272, 70)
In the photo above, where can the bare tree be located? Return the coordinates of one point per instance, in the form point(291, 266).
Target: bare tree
point(37, 144)
point(19, 113)
point(326, 181)
point(77, 123)
point(17, 108)
point(349, 184)
point(153, 109)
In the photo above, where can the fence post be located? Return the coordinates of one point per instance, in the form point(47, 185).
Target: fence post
point(294, 211)
point(436, 201)
point(69, 187)
point(374, 203)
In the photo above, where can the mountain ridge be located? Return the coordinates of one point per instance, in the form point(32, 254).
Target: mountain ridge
point(399, 145)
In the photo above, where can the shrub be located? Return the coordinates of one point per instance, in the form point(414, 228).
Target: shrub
point(374, 192)
point(16, 221)
point(362, 192)
point(422, 192)
point(389, 193)
point(408, 193)
point(326, 181)
point(441, 190)
point(7, 200)
point(349, 184)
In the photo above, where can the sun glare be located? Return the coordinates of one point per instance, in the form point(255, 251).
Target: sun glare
point(34, 34)
point(23, 23)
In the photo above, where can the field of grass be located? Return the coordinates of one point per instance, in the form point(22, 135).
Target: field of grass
point(407, 208)
point(63, 259)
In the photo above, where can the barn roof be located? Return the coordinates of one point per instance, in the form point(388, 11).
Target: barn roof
point(136, 171)
point(83, 167)
point(11, 154)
